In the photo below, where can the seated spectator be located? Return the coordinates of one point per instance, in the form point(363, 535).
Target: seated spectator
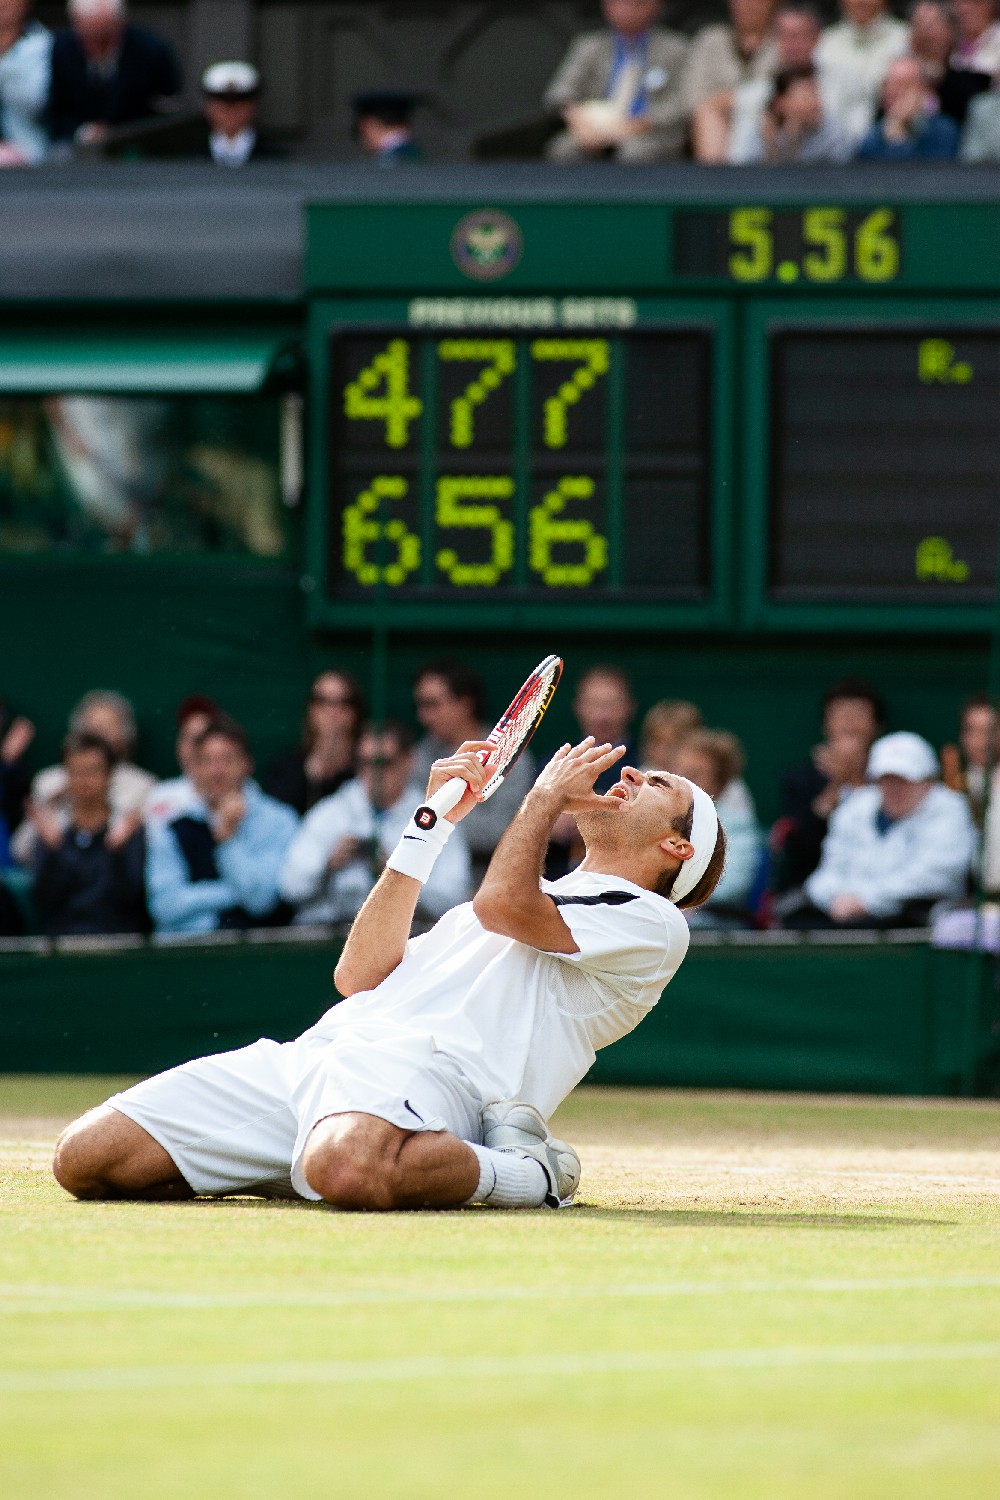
point(230, 94)
point(16, 736)
point(109, 715)
point(796, 127)
point(603, 706)
point(981, 136)
point(978, 47)
point(106, 71)
point(853, 58)
point(665, 726)
point(88, 861)
point(325, 759)
point(170, 798)
point(893, 848)
point(621, 91)
point(721, 59)
point(217, 864)
point(25, 63)
point(796, 33)
point(932, 41)
point(713, 760)
point(450, 704)
point(964, 766)
point(853, 718)
point(909, 127)
point(344, 842)
point(383, 126)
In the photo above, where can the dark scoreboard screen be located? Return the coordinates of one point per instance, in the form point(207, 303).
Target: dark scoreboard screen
point(540, 466)
point(885, 464)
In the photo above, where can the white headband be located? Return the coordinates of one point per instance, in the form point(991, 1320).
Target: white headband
point(704, 832)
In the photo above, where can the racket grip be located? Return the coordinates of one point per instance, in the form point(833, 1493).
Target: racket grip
point(448, 796)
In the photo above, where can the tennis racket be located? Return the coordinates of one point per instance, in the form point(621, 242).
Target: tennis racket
point(507, 738)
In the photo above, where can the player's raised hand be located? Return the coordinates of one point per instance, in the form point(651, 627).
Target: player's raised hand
point(467, 764)
point(572, 771)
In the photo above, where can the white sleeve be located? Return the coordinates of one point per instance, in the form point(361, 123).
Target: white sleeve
point(838, 862)
point(303, 873)
point(621, 935)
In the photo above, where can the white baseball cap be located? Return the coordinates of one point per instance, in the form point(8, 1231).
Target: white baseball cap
point(230, 80)
point(903, 754)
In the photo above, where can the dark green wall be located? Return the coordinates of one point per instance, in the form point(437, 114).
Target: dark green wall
point(885, 1018)
point(157, 631)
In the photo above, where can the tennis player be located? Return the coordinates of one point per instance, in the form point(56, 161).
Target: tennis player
point(430, 1085)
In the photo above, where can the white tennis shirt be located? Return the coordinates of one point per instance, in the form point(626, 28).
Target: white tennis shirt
point(519, 1023)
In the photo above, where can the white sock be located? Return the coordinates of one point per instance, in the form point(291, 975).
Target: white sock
point(507, 1179)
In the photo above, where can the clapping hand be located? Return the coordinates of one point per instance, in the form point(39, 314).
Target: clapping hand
point(123, 830)
point(228, 816)
point(45, 823)
point(16, 741)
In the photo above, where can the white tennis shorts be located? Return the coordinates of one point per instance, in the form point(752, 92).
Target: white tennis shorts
point(238, 1122)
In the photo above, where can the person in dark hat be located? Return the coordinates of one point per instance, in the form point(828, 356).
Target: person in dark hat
point(230, 101)
point(383, 126)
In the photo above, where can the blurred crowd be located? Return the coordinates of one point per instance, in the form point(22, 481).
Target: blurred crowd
point(772, 84)
point(875, 828)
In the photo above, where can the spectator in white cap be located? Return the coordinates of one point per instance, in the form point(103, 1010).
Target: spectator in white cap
point(893, 847)
point(230, 102)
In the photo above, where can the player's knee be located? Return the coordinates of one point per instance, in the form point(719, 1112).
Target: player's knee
point(82, 1158)
point(92, 1153)
point(348, 1174)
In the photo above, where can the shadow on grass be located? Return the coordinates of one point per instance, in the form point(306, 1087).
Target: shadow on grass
point(733, 1219)
point(663, 1218)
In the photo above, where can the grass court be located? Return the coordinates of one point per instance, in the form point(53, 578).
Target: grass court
point(763, 1296)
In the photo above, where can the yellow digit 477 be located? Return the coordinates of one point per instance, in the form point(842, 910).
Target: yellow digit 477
point(381, 393)
point(498, 360)
point(594, 360)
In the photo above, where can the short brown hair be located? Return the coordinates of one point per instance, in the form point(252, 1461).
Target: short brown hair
point(224, 726)
point(611, 672)
point(713, 870)
point(82, 742)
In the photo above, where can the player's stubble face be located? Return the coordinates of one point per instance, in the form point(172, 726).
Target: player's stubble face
point(636, 814)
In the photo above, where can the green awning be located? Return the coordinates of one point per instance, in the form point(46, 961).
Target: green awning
point(143, 362)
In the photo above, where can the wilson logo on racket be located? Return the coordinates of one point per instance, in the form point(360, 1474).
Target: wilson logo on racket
point(425, 818)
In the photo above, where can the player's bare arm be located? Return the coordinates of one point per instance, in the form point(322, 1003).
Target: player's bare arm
point(377, 940)
point(510, 900)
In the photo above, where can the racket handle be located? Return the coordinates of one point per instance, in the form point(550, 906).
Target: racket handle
point(448, 796)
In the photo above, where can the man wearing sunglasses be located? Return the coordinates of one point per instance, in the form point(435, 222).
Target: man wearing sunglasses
point(345, 840)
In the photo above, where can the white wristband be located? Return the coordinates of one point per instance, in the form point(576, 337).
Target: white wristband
point(424, 836)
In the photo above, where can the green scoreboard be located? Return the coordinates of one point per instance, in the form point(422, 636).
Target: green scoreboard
point(780, 416)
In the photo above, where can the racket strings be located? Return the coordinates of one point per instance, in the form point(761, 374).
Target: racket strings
point(514, 730)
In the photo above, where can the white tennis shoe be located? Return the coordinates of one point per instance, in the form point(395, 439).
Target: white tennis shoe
point(514, 1126)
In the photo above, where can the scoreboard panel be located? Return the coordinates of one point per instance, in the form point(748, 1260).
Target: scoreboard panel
point(886, 482)
point(775, 412)
point(874, 480)
point(546, 472)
